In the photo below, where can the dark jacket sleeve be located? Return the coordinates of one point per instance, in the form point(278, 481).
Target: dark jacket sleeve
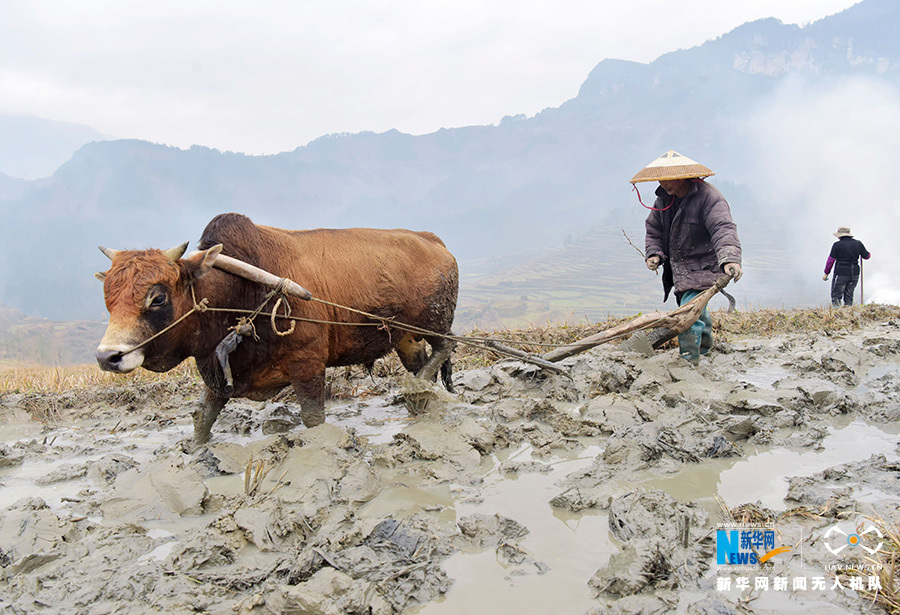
point(722, 231)
point(653, 240)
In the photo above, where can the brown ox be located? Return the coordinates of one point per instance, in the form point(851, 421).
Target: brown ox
point(396, 274)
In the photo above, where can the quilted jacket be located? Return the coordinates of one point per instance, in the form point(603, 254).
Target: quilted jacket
point(694, 236)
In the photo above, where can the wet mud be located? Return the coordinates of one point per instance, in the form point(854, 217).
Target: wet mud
point(525, 491)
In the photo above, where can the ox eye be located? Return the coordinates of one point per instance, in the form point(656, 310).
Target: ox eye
point(157, 301)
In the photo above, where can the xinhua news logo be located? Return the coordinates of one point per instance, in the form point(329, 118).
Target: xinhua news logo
point(746, 547)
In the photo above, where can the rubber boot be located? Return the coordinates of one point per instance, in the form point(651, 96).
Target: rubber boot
point(706, 337)
point(689, 343)
point(698, 339)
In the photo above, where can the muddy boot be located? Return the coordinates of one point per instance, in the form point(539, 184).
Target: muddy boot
point(693, 360)
point(706, 337)
point(689, 344)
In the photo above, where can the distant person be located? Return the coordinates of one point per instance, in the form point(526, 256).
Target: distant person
point(689, 231)
point(844, 257)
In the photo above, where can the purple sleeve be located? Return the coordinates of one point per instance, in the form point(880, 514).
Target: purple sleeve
point(829, 264)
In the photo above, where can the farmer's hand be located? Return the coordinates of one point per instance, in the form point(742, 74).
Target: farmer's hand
point(652, 263)
point(734, 270)
point(825, 277)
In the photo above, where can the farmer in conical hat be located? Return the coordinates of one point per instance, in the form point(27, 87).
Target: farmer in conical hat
point(689, 231)
point(844, 257)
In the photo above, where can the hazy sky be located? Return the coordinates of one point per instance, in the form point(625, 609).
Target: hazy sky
point(269, 75)
point(841, 176)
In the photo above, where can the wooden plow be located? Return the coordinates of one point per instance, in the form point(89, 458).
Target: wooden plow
point(660, 327)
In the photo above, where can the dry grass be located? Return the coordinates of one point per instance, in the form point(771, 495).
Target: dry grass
point(52, 394)
point(38, 379)
point(767, 323)
point(750, 514)
point(535, 339)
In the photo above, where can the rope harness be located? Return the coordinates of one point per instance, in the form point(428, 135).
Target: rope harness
point(246, 327)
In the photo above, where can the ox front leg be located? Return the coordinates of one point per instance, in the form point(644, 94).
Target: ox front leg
point(310, 390)
point(205, 415)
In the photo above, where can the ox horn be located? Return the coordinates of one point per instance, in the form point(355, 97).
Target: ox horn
point(109, 252)
point(173, 254)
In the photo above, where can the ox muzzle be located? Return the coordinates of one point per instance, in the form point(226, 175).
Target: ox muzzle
point(119, 359)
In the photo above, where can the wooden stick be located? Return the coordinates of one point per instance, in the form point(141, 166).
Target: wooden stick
point(643, 321)
point(862, 288)
point(530, 358)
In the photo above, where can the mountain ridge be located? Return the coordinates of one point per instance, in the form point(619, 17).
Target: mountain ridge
point(491, 192)
point(34, 147)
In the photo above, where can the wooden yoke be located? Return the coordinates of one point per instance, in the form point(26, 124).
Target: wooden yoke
point(261, 276)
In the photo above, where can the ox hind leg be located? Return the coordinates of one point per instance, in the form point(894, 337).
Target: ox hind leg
point(310, 390)
point(414, 357)
point(441, 349)
point(205, 415)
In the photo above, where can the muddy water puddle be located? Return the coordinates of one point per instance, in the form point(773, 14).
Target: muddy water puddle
point(575, 545)
point(74, 446)
point(765, 377)
point(884, 370)
point(378, 421)
point(572, 546)
point(80, 443)
point(762, 475)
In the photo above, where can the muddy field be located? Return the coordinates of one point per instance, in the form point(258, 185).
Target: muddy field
point(524, 492)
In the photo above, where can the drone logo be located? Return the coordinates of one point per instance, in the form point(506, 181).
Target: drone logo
point(853, 540)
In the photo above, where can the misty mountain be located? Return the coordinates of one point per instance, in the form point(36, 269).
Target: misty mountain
point(12, 187)
point(520, 203)
point(47, 342)
point(33, 147)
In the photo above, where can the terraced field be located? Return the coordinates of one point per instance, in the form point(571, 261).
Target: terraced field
point(47, 342)
point(601, 275)
point(598, 275)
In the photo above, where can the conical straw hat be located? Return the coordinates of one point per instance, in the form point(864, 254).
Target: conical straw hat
point(671, 165)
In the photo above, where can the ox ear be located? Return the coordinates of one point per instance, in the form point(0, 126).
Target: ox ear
point(100, 276)
point(205, 259)
point(173, 254)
